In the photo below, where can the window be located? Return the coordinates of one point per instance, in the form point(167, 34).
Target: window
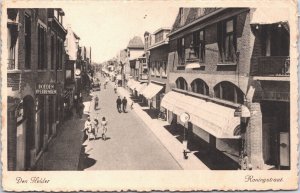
point(152, 68)
point(181, 51)
point(199, 45)
point(181, 84)
point(59, 53)
point(230, 92)
point(227, 41)
point(157, 68)
point(27, 29)
point(159, 37)
point(11, 46)
point(275, 40)
point(52, 52)
point(199, 86)
point(164, 69)
point(41, 47)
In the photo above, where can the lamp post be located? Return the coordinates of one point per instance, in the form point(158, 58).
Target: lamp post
point(184, 117)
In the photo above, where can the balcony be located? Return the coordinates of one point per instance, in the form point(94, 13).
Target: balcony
point(273, 96)
point(11, 64)
point(272, 66)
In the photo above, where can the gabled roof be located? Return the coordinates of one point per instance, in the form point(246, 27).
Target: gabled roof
point(136, 42)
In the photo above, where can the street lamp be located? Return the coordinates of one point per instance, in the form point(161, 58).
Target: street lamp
point(184, 117)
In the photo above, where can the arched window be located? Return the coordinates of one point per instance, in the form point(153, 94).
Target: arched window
point(230, 92)
point(199, 86)
point(181, 84)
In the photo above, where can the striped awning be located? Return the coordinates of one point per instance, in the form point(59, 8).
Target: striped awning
point(218, 120)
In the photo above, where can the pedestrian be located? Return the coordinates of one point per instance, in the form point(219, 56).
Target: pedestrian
point(124, 102)
point(115, 88)
point(131, 106)
point(81, 108)
point(96, 103)
point(96, 127)
point(104, 128)
point(87, 128)
point(119, 102)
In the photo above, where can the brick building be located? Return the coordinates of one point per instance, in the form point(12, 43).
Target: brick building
point(35, 67)
point(73, 69)
point(230, 73)
point(157, 51)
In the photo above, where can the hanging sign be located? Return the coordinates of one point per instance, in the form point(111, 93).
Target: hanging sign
point(45, 89)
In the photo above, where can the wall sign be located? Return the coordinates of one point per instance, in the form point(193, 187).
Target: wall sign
point(45, 89)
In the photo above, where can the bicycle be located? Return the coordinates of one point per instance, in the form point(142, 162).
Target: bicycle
point(162, 115)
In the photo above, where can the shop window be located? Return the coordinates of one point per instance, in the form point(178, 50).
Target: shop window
point(181, 84)
point(228, 91)
point(199, 86)
point(27, 34)
point(41, 48)
point(227, 41)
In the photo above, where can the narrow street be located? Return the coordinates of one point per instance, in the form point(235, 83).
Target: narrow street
point(130, 144)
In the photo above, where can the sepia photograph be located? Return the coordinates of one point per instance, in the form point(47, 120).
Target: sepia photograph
point(144, 87)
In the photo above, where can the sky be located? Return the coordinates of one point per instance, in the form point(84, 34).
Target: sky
point(108, 26)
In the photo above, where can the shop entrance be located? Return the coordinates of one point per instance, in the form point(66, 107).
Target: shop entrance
point(276, 130)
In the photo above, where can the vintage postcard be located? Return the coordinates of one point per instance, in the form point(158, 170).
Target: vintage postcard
point(149, 95)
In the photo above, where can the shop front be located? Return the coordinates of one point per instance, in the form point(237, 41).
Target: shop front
point(216, 125)
point(152, 95)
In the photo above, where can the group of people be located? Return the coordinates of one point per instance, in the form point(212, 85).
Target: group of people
point(121, 102)
point(92, 129)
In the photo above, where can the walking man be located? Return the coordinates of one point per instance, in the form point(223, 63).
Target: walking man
point(87, 128)
point(124, 102)
point(119, 102)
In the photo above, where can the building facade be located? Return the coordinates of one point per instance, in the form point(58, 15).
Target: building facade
point(157, 56)
point(215, 57)
point(73, 68)
point(35, 83)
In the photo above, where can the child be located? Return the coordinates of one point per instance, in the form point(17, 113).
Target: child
point(104, 128)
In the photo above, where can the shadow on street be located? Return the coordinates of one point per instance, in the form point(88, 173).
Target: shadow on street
point(84, 160)
point(210, 156)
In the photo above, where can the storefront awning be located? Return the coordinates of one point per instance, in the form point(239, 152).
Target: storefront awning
point(265, 15)
point(215, 119)
point(129, 82)
point(192, 65)
point(133, 84)
point(151, 90)
point(140, 87)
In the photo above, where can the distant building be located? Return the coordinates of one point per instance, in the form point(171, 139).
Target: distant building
point(73, 69)
point(156, 52)
point(35, 83)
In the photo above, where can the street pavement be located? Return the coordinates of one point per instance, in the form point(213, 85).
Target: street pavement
point(135, 141)
point(131, 145)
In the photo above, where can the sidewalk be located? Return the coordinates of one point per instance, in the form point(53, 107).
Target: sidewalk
point(168, 141)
